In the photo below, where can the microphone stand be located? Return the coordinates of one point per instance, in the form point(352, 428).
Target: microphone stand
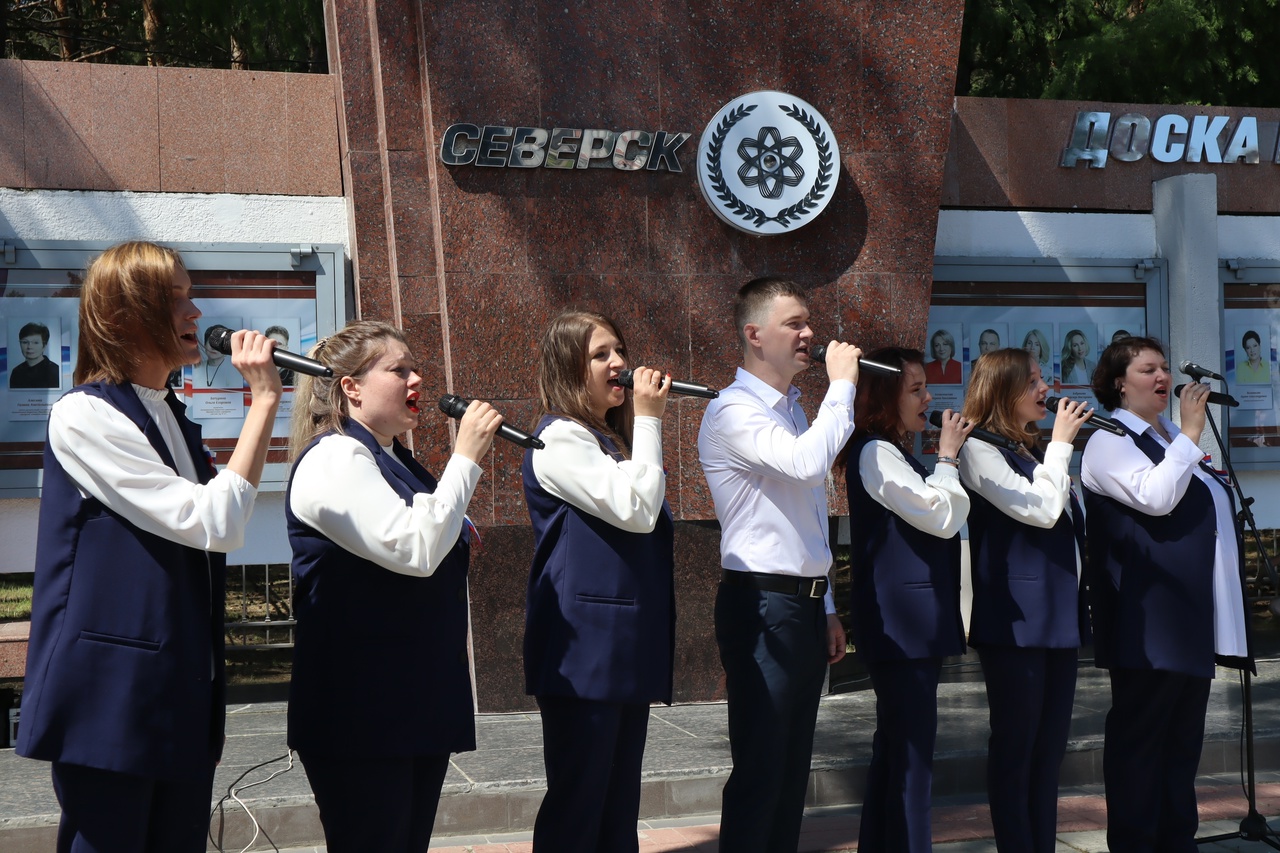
point(1254, 826)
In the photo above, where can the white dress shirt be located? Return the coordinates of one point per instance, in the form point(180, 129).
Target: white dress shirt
point(767, 471)
point(338, 489)
point(108, 457)
point(627, 494)
point(937, 504)
point(1115, 466)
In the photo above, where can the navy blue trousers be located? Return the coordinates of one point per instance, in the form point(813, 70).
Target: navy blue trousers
point(108, 812)
point(773, 647)
point(593, 752)
point(897, 806)
point(375, 804)
point(1154, 734)
point(1030, 693)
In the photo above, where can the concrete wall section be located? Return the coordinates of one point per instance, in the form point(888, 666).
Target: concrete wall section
point(172, 217)
point(1032, 234)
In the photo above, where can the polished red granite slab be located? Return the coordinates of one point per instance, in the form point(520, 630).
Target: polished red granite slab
point(509, 248)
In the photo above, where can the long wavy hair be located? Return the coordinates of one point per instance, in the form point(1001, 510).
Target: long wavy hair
point(562, 375)
point(998, 381)
point(319, 403)
point(877, 402)
point(1069, 360)
point(126, 312)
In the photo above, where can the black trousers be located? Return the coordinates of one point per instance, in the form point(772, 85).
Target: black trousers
point(593, 752)
point(1154, 734)
point(108, 812)
point(376, 804)
point(1030, 693)
point(773, 647)
point(897, 806)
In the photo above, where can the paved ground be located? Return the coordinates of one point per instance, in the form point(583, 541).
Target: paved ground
point(491, 795)
point(959, 827)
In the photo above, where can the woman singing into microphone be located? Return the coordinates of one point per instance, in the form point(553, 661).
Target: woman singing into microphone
point(1028, 619)
point(1167, 595)
point(375, 535)
point(905, 601)
point(600, 620)
point(125, 684)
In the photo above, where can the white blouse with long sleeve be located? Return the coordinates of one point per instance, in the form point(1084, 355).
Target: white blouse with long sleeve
point(107, 456)
point(937, 504)
point(1038, 502)
point(339, 490)
point(1115, 466)
point(626, 494)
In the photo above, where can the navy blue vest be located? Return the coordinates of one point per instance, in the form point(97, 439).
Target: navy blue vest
point(600, 607)
point(1151, 579)
point(905, 600)
point(125, 628)
point(380, 665)
point(1026, 591)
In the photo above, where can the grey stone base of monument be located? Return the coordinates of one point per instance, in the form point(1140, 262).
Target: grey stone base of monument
point(498, 787)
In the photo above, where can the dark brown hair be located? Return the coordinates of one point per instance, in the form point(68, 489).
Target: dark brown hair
point(562, 375)
point(126, 312)
point(998, 381)
point(1114, 363)
point(876, 404)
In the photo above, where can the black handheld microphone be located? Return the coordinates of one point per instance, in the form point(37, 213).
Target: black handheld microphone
point(455, 407)
point(1097, 420)
point(1195, 371)
point(935, 418)
point(626, 379)
point(1214, 396)
point(219, 337)
point(818, 352)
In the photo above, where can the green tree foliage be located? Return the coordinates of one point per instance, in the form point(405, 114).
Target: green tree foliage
point(1137, 51)
point(272, 35)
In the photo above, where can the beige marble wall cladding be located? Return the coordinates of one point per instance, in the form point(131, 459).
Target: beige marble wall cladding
point(86, 126)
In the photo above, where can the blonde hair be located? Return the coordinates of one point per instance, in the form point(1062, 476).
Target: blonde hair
point(319, 404)
point(562, 375)
point(126, 312)
point(998, 381)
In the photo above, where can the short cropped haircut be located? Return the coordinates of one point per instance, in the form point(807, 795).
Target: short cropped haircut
point(1114, 363)
point(126, 312)
point(35, 329)
point(755, 299)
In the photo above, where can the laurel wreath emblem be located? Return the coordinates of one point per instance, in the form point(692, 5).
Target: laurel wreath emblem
point(755, 215)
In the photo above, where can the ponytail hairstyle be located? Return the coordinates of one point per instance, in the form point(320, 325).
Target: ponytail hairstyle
point(997, 383)
point(319, 404)
point(126, 313)
point(877, 401)
point(562, 375)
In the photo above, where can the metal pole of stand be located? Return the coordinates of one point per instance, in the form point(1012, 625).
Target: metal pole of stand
point(1254, 826)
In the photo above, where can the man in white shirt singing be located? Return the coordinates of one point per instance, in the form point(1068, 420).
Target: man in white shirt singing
point(775, 619)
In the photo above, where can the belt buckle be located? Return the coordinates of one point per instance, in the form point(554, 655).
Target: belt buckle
point(814, 591)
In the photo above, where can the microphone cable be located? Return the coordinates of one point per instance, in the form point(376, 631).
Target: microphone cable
point(233, 793)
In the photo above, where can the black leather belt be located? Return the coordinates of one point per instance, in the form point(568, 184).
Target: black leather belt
point(791, 585)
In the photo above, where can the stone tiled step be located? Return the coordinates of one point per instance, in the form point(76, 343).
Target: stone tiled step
point(498, 787)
